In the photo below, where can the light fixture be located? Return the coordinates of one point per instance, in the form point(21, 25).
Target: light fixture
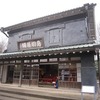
point(67, 52)
point(61, 53)
point(88, 51)
point(80, 51)
point(73, 52)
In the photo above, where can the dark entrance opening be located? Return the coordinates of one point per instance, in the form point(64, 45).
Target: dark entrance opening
point(10, 74)
point(48, 74)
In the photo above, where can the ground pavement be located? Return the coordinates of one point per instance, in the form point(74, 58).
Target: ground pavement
point(66, 93)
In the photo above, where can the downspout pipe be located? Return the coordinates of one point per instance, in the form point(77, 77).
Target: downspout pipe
point(2, 30)
point(98, 66)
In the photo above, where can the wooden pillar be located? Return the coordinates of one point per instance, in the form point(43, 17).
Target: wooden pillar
point(2, 72)
point(21, 72)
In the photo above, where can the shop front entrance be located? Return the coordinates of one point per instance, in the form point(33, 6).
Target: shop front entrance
point(48, 74)
point(10, 74)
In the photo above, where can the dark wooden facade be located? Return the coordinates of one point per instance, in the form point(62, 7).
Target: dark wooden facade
point(54, 46)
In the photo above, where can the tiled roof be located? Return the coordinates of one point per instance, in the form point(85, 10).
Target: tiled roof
point(49, 18)
point(66, 49)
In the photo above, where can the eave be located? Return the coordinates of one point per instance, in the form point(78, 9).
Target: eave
point(50, 51)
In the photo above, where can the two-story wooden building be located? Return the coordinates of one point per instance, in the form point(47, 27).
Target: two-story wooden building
point(59, 45)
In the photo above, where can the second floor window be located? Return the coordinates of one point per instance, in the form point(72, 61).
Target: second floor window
point(54, 35)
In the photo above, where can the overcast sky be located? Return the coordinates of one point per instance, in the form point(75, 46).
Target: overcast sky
point(17, 11)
